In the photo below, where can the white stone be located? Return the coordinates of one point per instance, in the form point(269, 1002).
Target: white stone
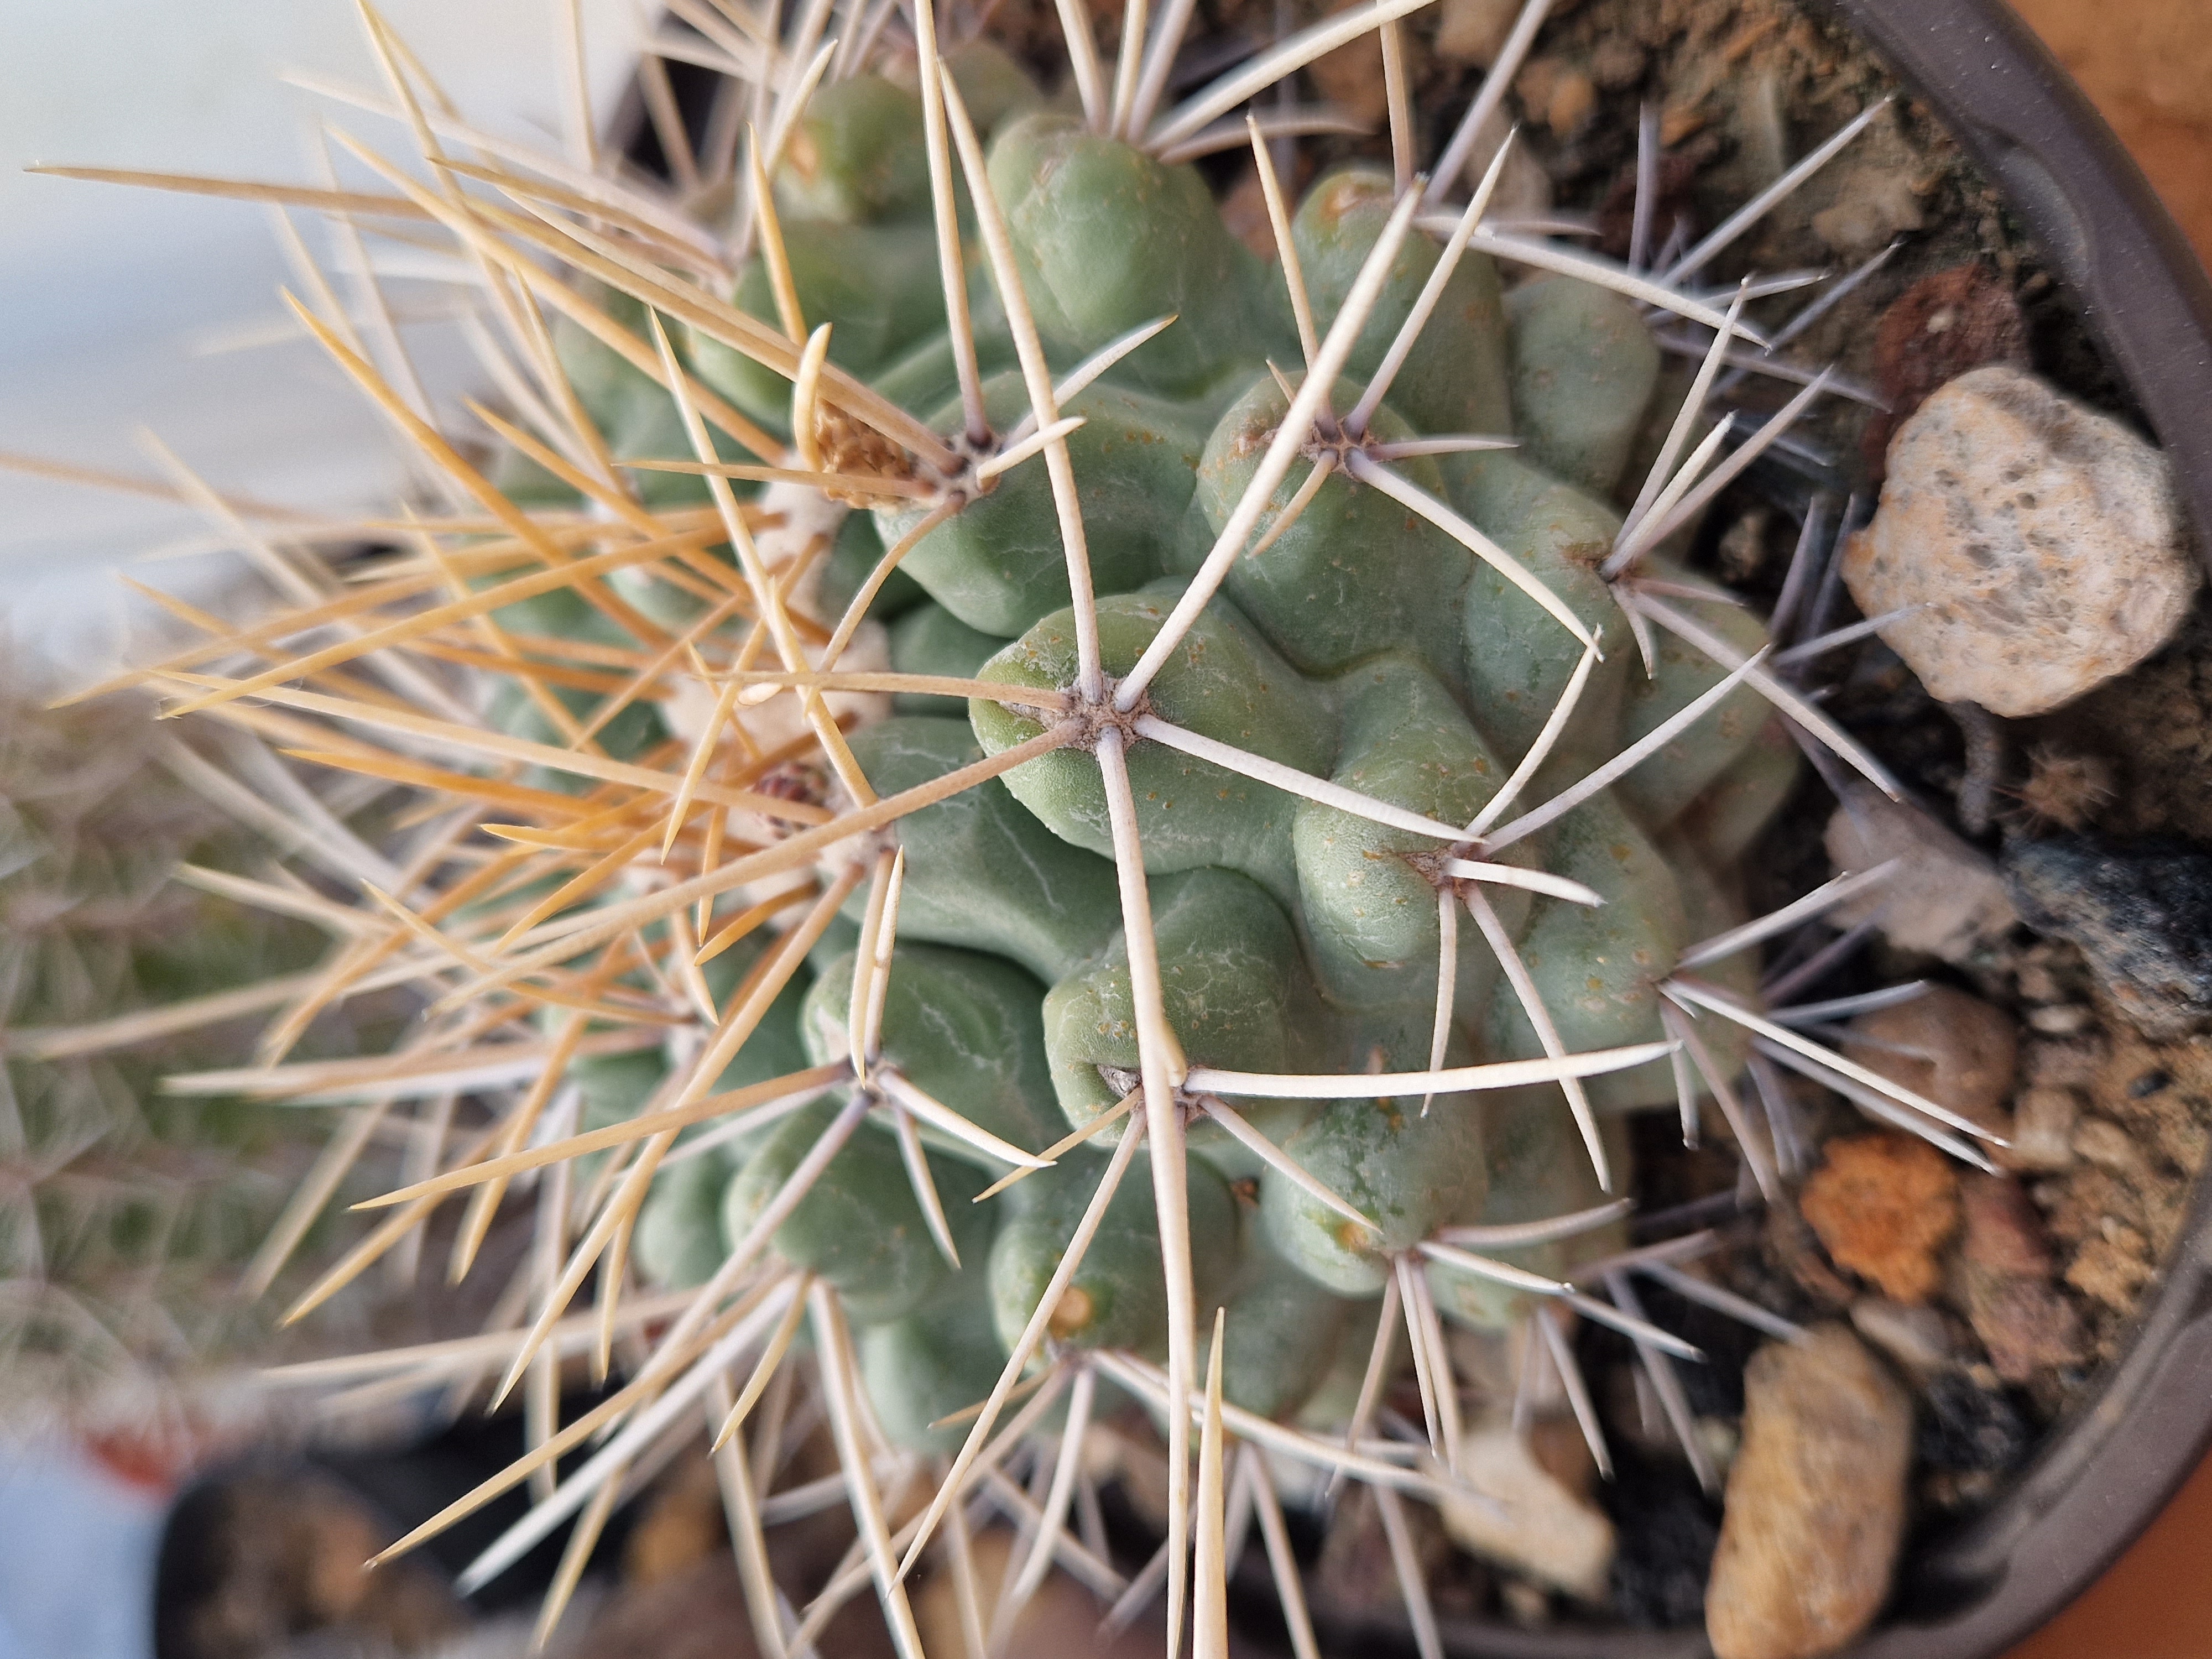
point(1535, 1523)
point(2039, 542)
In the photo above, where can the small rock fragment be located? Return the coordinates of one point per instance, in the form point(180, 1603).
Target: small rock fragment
point(1946, 1046)
point(1966, 1426)
point(2112, 1269)
point(1540, 1526)
point(1472, 31)
point(1883, 1205)
point(1816, 1501)
point(2108, 1146)
point(1945, 325)
point(1917, 1339)
point(1944, 900)
point(2035, 545)
point(2043, 1121)
point(2141, 911)
point(2002, 1281)
point(1872, 204)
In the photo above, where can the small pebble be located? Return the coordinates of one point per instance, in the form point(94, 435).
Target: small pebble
point(2113, 1270)
point(1815, 1504)
point(2036, 544)
point(2002, 1281)
point(1884, 1205)
point(1970, 1428)
point(1666, 1529)
point(1945, 899)
point(1950, 1048)
point(2043, 1121)
point(1873, 205)
point(2063, 1065)
point(2108, 1146)
point(1917, 1339)
point(1961, 317)
point(1472, 31)
point(2141, 911)
point(1541, 1525)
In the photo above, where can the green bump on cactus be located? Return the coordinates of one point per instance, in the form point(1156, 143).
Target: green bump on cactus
point(1537, 1170)
point(931, 640)
point(962, 1027)
point(981, 872)
point(1597, 967)
point(1370, 905)
point(933, 1363)
point(1281, 1337)
point(1407, 1171)
point(1585, 365)
point(1659, 790)
point(1743, 797)
point(1356, 572)
point(1117, 1298)
point(1106, 237)
point(1222, 682)
point(874, 284)
point(852, 557)
point(679, 1241)
point(859, 1226)
point(1459, 380)
point(1237, 997)
point(1519, 660)
point(999, 565)
point(856, 156)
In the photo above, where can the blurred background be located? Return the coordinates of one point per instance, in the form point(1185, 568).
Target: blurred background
point(134, 315)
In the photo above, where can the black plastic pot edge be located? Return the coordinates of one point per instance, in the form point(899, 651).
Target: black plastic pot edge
point(2114, 1462)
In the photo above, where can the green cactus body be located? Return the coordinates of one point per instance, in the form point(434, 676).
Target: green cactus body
point(1583, 369)
point(1461, 379)
point(1537, 1169)
point(1116, 1299)
point(962, 1027)
point(1235, 997)
point(1225, 683)
point(1407, 1171)
point(1357, 573)
point(860, 1227)
point(1363, 646)
point(998, 565)
point(1108, 238)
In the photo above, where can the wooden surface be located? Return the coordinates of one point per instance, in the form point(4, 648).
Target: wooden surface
point(2148, 63)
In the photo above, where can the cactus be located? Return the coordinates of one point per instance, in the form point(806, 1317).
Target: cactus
point(126, 1209)
point(1072, 786)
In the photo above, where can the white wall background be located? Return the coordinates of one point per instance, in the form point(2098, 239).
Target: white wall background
point(109, 296)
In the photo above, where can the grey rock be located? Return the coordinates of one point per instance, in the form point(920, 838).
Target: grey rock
point(1945, 898)
point(2141, 913)
point(1815, 1504)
